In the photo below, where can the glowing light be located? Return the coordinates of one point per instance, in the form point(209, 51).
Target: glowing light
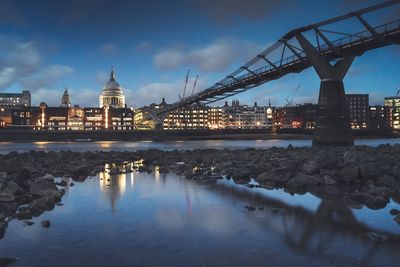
point(106, 117)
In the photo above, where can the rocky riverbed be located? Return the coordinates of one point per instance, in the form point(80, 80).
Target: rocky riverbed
point(359, 175)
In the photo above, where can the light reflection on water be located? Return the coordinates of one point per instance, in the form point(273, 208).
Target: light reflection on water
point(136, 219)
point(6, 147)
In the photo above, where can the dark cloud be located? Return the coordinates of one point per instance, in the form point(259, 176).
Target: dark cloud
point(21, 64)
point(10, 14)
point(226, 11)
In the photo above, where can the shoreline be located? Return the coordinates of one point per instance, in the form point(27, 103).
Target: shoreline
point(359, 175)
point(24, 136)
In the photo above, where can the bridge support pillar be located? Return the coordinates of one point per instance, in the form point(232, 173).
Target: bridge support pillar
point(333, 126)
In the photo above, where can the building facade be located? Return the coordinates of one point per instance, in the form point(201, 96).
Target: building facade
point(379, 118)
point(239, 116)
point(10, 102)
point(358, 107)
point(94, 119)
point(194, 117)
point(393, 105)
point(119, 119)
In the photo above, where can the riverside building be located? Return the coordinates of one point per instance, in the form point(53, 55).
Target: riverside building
point(239, 116)
point(12, 101)
point(358, 106)
point(393, 105)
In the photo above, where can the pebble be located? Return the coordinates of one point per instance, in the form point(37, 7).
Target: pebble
point(45, 223)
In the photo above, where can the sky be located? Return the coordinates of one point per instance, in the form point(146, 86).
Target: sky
point(47, 46)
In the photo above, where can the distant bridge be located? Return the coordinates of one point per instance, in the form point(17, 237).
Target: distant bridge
point(315, 45)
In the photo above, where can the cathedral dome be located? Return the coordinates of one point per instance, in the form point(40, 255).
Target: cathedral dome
point(112, 94)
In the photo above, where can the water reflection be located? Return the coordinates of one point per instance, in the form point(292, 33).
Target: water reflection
point(158, 219)
point(113, 186)
point(323, 232)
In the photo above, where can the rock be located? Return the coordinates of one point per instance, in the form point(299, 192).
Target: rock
point(24, 215)
point(13, 165)
point(6, 194)
point(375, 202)
point(114, 171)
point(394, 212)
point(376, 237)
point(318, 162)
point(302, 180)
point(311, 167)
point(328, 180)
point(163, 169)
point(397, 219)
point(80, 172)
point(41, 186)
point(71, 184)
point(62, 183)
point(145, 169)
point(47, 177)
point(278, 176)
point(29, 223)
point(45, 223)
point(349, 175)
point(387, 181)
point(357, 155)
point(369, 170)
point(3, 226)
point(250, 208)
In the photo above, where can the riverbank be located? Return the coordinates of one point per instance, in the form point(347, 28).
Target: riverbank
point(359, 175)
point(7, 135)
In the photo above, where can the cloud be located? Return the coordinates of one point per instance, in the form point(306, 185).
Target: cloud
point(84, 97)
point(219, 55)
point(108, 49)
point(144, 47)
point(17, 60)
point(21, 65)
point(45, 77)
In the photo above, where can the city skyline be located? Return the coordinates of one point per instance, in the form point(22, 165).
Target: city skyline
point(45, 50)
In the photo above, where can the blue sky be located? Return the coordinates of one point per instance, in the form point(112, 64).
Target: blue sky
point(47, 45)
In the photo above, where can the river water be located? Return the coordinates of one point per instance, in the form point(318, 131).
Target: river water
point(155, 219)
point(6, 147)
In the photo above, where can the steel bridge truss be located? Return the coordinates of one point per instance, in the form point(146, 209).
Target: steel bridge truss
point(286, 55)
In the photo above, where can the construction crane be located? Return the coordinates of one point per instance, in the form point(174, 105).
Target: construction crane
point(195, 83)
point(184, 88)
point(398, 92)
point(290, 103)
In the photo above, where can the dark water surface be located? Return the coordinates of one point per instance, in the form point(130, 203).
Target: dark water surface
point(6, 147)
point(165, 220)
